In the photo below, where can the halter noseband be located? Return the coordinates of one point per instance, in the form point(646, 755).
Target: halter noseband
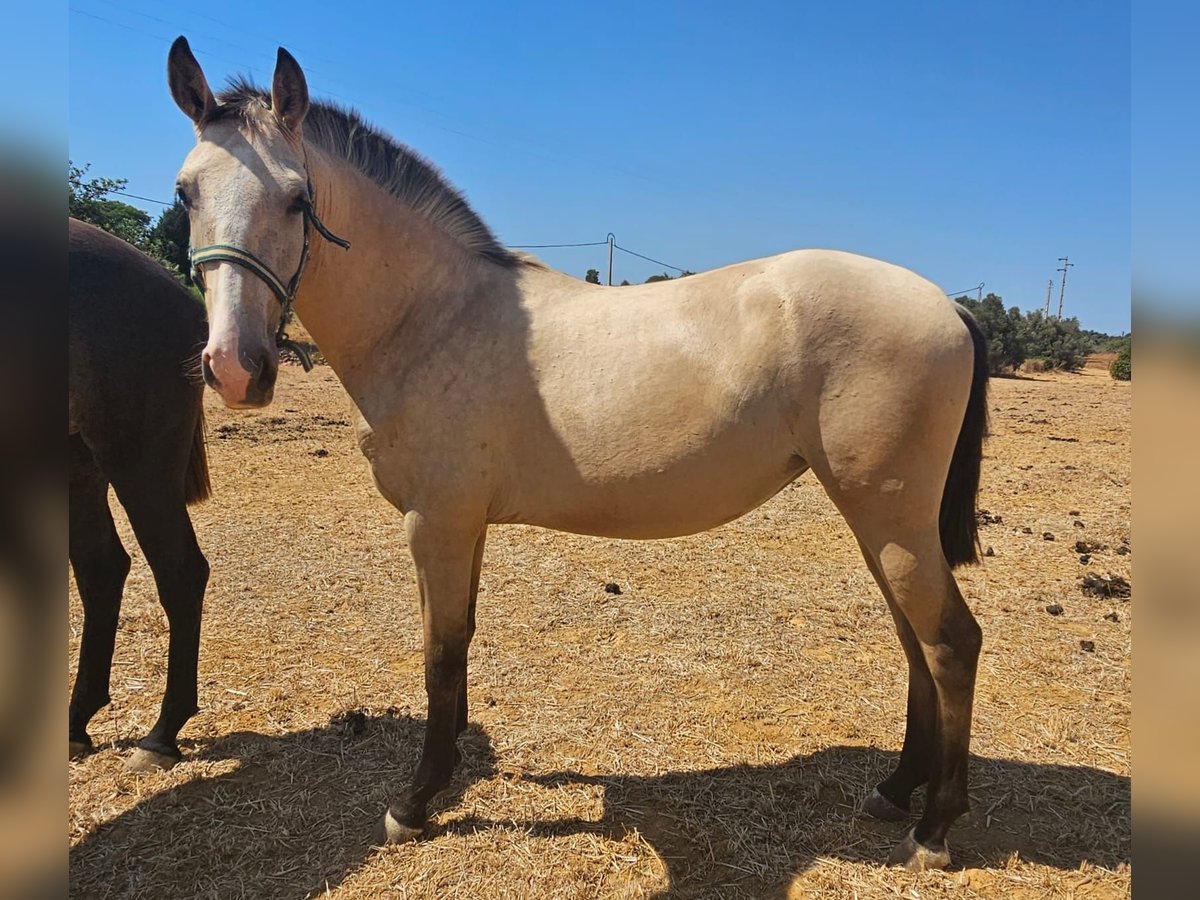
point(284, 293)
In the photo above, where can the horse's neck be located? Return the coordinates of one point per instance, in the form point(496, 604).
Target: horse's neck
point(381, 300)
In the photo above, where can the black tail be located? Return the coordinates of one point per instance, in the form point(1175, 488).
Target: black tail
point(957, 523)
point(196, 485)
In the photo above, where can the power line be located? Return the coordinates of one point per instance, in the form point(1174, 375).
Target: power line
point(648, 259)
point(146, 199)
point(550, 246)
point(528, 147)
point(511, 246)
point(976, 287)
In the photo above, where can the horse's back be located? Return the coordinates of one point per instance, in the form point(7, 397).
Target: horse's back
point(120, 294)
point(132, 332)
point(634, 398)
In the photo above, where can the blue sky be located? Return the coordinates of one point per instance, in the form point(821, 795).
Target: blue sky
point(969, 142)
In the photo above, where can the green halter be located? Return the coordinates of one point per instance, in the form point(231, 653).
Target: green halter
point(285, 293)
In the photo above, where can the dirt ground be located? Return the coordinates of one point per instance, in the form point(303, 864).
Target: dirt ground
point(708, 732)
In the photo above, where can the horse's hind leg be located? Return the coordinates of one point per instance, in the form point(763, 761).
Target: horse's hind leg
point(948, 639)
point(100, 564)
point(156, 509)
point(891, 799)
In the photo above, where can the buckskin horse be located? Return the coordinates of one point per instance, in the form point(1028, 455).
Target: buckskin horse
point(495, 390)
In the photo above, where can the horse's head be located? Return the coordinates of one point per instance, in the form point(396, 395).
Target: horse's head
point(245, 186)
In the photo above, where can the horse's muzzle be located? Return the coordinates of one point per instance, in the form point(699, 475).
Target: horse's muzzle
point(248, 383)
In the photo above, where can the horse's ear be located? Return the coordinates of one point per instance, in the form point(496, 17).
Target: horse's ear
point(188, 85)
point(289, 92)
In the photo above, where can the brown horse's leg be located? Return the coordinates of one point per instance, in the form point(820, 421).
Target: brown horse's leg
point(949, 639)
point(160, 521)
point(444, 559)
point(476, 568)
point(100, 564)
point(892, 797)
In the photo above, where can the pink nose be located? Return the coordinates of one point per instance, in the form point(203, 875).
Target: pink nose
point(247, 381)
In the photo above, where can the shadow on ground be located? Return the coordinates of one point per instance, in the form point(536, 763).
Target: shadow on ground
point(298, 813)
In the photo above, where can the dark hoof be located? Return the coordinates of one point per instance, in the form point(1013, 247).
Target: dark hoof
point(80, 749)
point(392, 831)
point(878, 806)
point(917, 857)
point(143, 761)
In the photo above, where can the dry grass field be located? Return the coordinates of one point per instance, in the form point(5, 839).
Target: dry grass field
point(708, 732)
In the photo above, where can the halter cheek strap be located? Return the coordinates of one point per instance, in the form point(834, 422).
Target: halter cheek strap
point(284, 293)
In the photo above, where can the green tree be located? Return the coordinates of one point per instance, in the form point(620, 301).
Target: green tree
point(1058, 341)
point(593, 276)
point(166, 240)
point(87, 200)
point(1122, 367)
point(1003, 330)
point(170, 239)
point(653, 278)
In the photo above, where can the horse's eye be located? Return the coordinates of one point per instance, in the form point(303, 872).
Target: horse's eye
point(183, 198)
point(299, 202)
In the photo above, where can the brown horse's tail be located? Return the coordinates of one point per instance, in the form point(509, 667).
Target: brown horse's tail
point(957, 522)
point(196, 485)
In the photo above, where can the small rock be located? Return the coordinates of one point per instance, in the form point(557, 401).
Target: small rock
point(1089, 547)
point(1084, 559)
point(1087, 646)
point(1079, 524)
point(612, 588)
point(1026, 530)
point(1111, 617)
point(1073, 512)
point(320, 453)
point(1055, 609)
point(1123, 550)
point(1047, 536)
point(989, 552)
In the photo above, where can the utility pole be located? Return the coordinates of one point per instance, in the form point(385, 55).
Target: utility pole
point(979, 292)
point(1065, 265)
point(1049, 289)
point(612, 239)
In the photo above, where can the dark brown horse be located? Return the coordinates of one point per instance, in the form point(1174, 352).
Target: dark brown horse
point(135, 422)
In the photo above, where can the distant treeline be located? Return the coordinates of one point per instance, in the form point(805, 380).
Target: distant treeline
point(1014, 338)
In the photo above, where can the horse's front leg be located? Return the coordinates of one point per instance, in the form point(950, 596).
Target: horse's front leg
point(444, 556)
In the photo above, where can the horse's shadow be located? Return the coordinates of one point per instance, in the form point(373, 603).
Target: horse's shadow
point(298, 815)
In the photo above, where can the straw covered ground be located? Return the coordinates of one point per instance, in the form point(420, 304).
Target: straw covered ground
point(707, 732)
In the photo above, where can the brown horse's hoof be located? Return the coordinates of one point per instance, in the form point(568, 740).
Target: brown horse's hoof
point(917, 857)
point(878, 806)
point(393, 832)
point(79, 749)
point(143, 761)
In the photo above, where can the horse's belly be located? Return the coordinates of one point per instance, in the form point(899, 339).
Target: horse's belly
point(686, 498)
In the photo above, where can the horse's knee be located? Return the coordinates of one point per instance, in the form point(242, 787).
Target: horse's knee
point(181, 591)
point(100, 573)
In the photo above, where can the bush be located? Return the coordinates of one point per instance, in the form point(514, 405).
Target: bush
point(1122, 367)
point(1058, 341)
point(1002, 328)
